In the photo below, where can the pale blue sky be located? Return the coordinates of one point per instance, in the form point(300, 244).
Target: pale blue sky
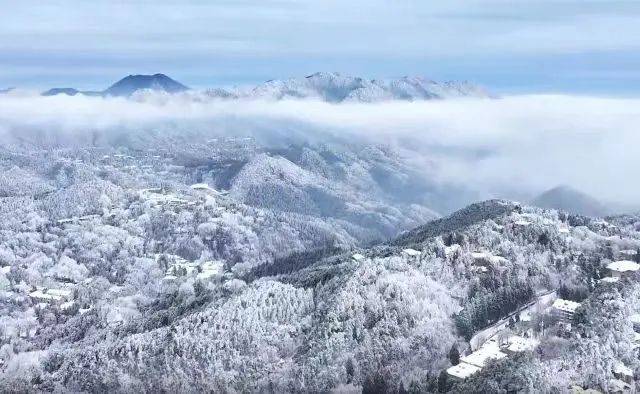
point(506, 45)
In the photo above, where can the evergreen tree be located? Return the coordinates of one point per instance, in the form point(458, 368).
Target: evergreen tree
point(454, 355)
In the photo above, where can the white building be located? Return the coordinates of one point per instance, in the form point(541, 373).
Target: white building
point(358, 257)
point(411, 253)
point(489, 351)
point(462, 371)
point(622, 372)
point(518, 344)
point(449, 251)
point(635, 320)
point(51, 295)
point(209, 269)
point(623, 268)
point(487, 259)
point(564, 309)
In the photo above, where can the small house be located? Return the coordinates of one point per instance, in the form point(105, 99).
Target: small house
point(623, 268)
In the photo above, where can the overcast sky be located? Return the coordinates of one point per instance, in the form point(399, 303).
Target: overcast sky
point(507, 45)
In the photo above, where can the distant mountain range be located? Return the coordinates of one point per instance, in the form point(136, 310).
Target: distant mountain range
point(330, 87)
point(571, 200)
point(128, 86)
point(335, 87)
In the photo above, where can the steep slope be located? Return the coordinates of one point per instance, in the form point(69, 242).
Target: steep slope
point(459, 220)
point(311, 187)
point(570, 200)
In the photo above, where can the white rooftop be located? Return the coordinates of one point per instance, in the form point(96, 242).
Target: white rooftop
point(525, 316)
point(621, 369)
point(623, 266)
point(210, 269)
point(357, 257)
point(609, 279)
point(521, 344)
point(479, 358)
point(635, 318)
point(462, 370)
point(489, 257)
point(51, 294)
point(566, 305)
point(618, 386)
point(411, 252)
point(449, 250)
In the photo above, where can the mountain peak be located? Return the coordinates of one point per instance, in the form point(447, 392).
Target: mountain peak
point(131, 83)
point(569, 199)
point(56, 91)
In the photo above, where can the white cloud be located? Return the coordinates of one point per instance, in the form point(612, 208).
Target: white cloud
point(514, 144)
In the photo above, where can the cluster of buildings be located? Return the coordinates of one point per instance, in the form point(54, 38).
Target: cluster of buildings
point(161, 196)
point(60, 297)
point(177, 267)
point(484, 261)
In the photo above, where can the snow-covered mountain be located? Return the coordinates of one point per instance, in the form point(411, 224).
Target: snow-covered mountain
point(571, 200)
point(330, 87)
point(57, 91)
point(336, 87)
point(127, 86)
point(156, 82)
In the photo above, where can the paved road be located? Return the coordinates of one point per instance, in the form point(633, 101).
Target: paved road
point(541, 301)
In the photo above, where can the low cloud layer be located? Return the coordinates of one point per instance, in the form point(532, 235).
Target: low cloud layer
point(513, 146)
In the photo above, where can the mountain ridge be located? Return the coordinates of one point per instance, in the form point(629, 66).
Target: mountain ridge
point(127, 86)
point(331, 87)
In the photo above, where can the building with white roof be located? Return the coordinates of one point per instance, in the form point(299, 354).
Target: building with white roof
point(564, 309)
point(616, 386)
point(209, 269)
point(462, 371)
point(358, 257)
point(635, 320)
point(489, 351)
point(449, 251)
point(486, 259)
point(622, 372)
point(518, 344)
point(623, 268)
point(411, 252)
point(51, 295)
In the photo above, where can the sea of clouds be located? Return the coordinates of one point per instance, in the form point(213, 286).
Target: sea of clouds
point(515, 146)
